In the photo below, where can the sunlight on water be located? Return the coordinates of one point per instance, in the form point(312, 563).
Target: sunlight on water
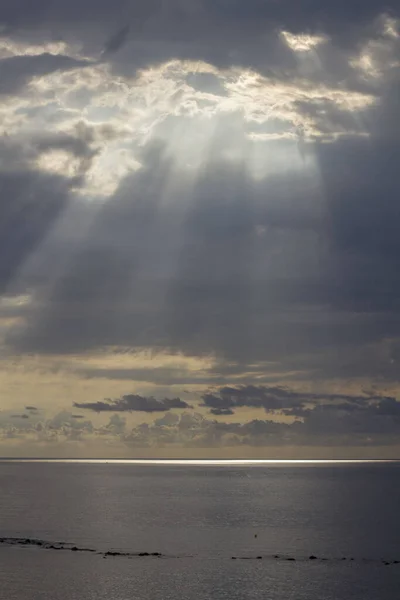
point(199, 462)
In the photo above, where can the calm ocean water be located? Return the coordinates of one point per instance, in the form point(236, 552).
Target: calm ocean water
point(197, 517)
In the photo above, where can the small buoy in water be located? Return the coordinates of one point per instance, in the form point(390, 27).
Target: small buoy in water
point(255, 535)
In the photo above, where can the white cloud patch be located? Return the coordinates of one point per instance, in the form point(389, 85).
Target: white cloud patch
point(10, 302)
point(134, 108)
point(302, 42)
point(379, 56)
point(10, 47)
point(59, 162)
point(108, 170)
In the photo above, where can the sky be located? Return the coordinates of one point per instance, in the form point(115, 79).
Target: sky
point(199, 228)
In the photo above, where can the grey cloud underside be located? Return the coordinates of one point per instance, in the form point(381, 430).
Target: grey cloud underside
point(290, 402)
point(340, 418)
point(316, 289)
point(17, 71)
point(222, 412)
point(131, 36)
point(271, 399)
point(319, 427)
point(323, 426)
point(30, 202)
point(287, 269)
point(134, 403)
point(193, 25)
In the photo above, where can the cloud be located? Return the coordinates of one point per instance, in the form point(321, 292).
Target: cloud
point(271, 399)
point(302, 42)
point(367, 425)
point(116, 425)
point(18, 71)
point(198, 297)
point(221, 412)
point(319, 428)
point(132, 402)
point(37, 201)
point(389, 407)
point(209, 180)
point(290, 402)
point(218, 32)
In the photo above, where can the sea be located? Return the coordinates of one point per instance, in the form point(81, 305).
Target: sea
point(174, 530)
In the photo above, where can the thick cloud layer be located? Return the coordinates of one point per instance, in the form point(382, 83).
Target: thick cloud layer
point(211, 180)
point(287, 401)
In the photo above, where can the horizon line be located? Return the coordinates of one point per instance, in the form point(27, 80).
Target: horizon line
point(199, 461)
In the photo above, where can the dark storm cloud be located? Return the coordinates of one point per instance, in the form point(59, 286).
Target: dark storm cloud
point(289, 402)
point(134, 403)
